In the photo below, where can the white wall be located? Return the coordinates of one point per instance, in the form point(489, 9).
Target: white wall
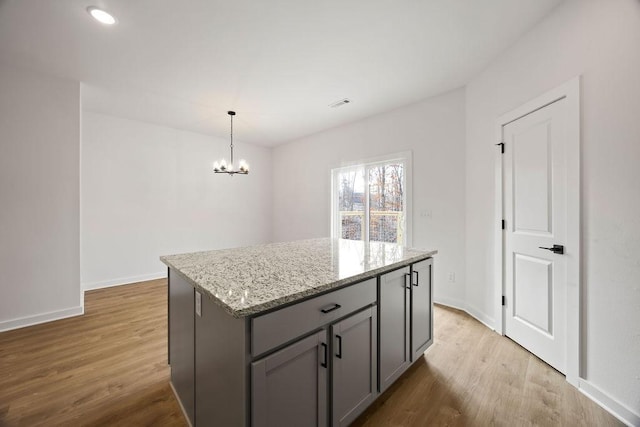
point(149, 190)
point(601, 41)
point(433, 130)
point(39, 196)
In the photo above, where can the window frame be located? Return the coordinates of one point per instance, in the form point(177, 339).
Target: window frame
point(406, 159)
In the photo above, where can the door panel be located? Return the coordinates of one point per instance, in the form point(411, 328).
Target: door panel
point(354, 342)
point(532, 180)
point(535, 212)
point(289, 387)
point(535, 283)
point(394, 325)
point(421, 308)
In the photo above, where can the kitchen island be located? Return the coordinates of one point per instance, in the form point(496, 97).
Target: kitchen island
point(297, 333)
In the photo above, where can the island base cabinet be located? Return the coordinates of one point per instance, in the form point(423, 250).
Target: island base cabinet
point(221, 369)
point(354, 370)
point(181, 342)
point(289, 387)
point(319, 362)
point(421, 308)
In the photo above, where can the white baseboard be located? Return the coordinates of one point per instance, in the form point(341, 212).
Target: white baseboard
point(459, 305)
point(23, 322)
point(123, 281)
point(615, 408)
point(481, 317)
point(450, 302)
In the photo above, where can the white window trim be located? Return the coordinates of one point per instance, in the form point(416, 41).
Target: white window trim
point(407, 158)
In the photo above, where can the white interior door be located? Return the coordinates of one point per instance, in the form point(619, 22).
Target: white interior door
point(535, 210)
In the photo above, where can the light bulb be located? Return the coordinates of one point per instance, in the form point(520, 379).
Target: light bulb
point(216, 166)
point(101, 16)
point(243, 165)
point(230, 166)
point(223, 164)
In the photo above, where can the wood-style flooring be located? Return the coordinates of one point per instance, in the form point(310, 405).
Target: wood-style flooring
point(471, 376)
point(109, 368)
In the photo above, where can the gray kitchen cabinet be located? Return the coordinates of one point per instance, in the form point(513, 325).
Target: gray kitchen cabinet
point(315, 361)
point(421, 307)
point(289, 387)
point(394, 315)
point(221, 374)
point(354, 365)
point(284, 325)
point(181, 340)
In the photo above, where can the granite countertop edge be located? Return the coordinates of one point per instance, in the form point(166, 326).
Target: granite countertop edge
point(288, 299)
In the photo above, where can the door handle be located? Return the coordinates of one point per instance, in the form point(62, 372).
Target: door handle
point(339, 352)
point(324, 349)
point(556, 249)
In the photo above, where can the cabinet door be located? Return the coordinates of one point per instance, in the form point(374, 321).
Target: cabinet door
point(289, 387)
point(354, 348)
point(181, 341)
point(421, 309)
point(394, 310)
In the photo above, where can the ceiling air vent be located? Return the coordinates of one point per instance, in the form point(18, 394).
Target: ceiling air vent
point(340, 103)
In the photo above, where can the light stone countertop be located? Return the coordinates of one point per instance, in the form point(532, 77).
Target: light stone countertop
point(247, 281)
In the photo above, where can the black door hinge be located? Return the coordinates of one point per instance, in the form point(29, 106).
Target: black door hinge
point(504, 225)
point(504, 302)
point(501, 147)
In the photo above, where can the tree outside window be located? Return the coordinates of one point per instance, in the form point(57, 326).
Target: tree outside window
point(370, 202)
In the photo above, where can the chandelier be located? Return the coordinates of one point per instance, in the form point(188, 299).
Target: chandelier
point(223, 167)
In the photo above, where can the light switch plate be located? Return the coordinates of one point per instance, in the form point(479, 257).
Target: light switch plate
point(198, 303)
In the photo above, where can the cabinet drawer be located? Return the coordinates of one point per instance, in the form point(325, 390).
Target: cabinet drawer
point(276, 328)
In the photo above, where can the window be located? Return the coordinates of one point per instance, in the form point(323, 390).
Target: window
point(369, 200)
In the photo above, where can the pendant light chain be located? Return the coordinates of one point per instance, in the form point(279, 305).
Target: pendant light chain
point(232, 139)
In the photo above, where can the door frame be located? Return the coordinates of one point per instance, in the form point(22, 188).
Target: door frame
point(570, 92)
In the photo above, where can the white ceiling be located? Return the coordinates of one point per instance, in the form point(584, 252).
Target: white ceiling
point(278, 63)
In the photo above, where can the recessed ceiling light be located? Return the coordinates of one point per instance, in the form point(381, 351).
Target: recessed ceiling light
point(101, 16)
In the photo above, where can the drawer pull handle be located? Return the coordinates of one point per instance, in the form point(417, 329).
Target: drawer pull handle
point(417, 278)
point(324, 349)
point(407, 275)
point(339, 353)
point(330, 309)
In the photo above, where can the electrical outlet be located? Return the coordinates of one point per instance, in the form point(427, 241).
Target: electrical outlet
point(198, 303)
point(425, 214)
point(452, 277)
